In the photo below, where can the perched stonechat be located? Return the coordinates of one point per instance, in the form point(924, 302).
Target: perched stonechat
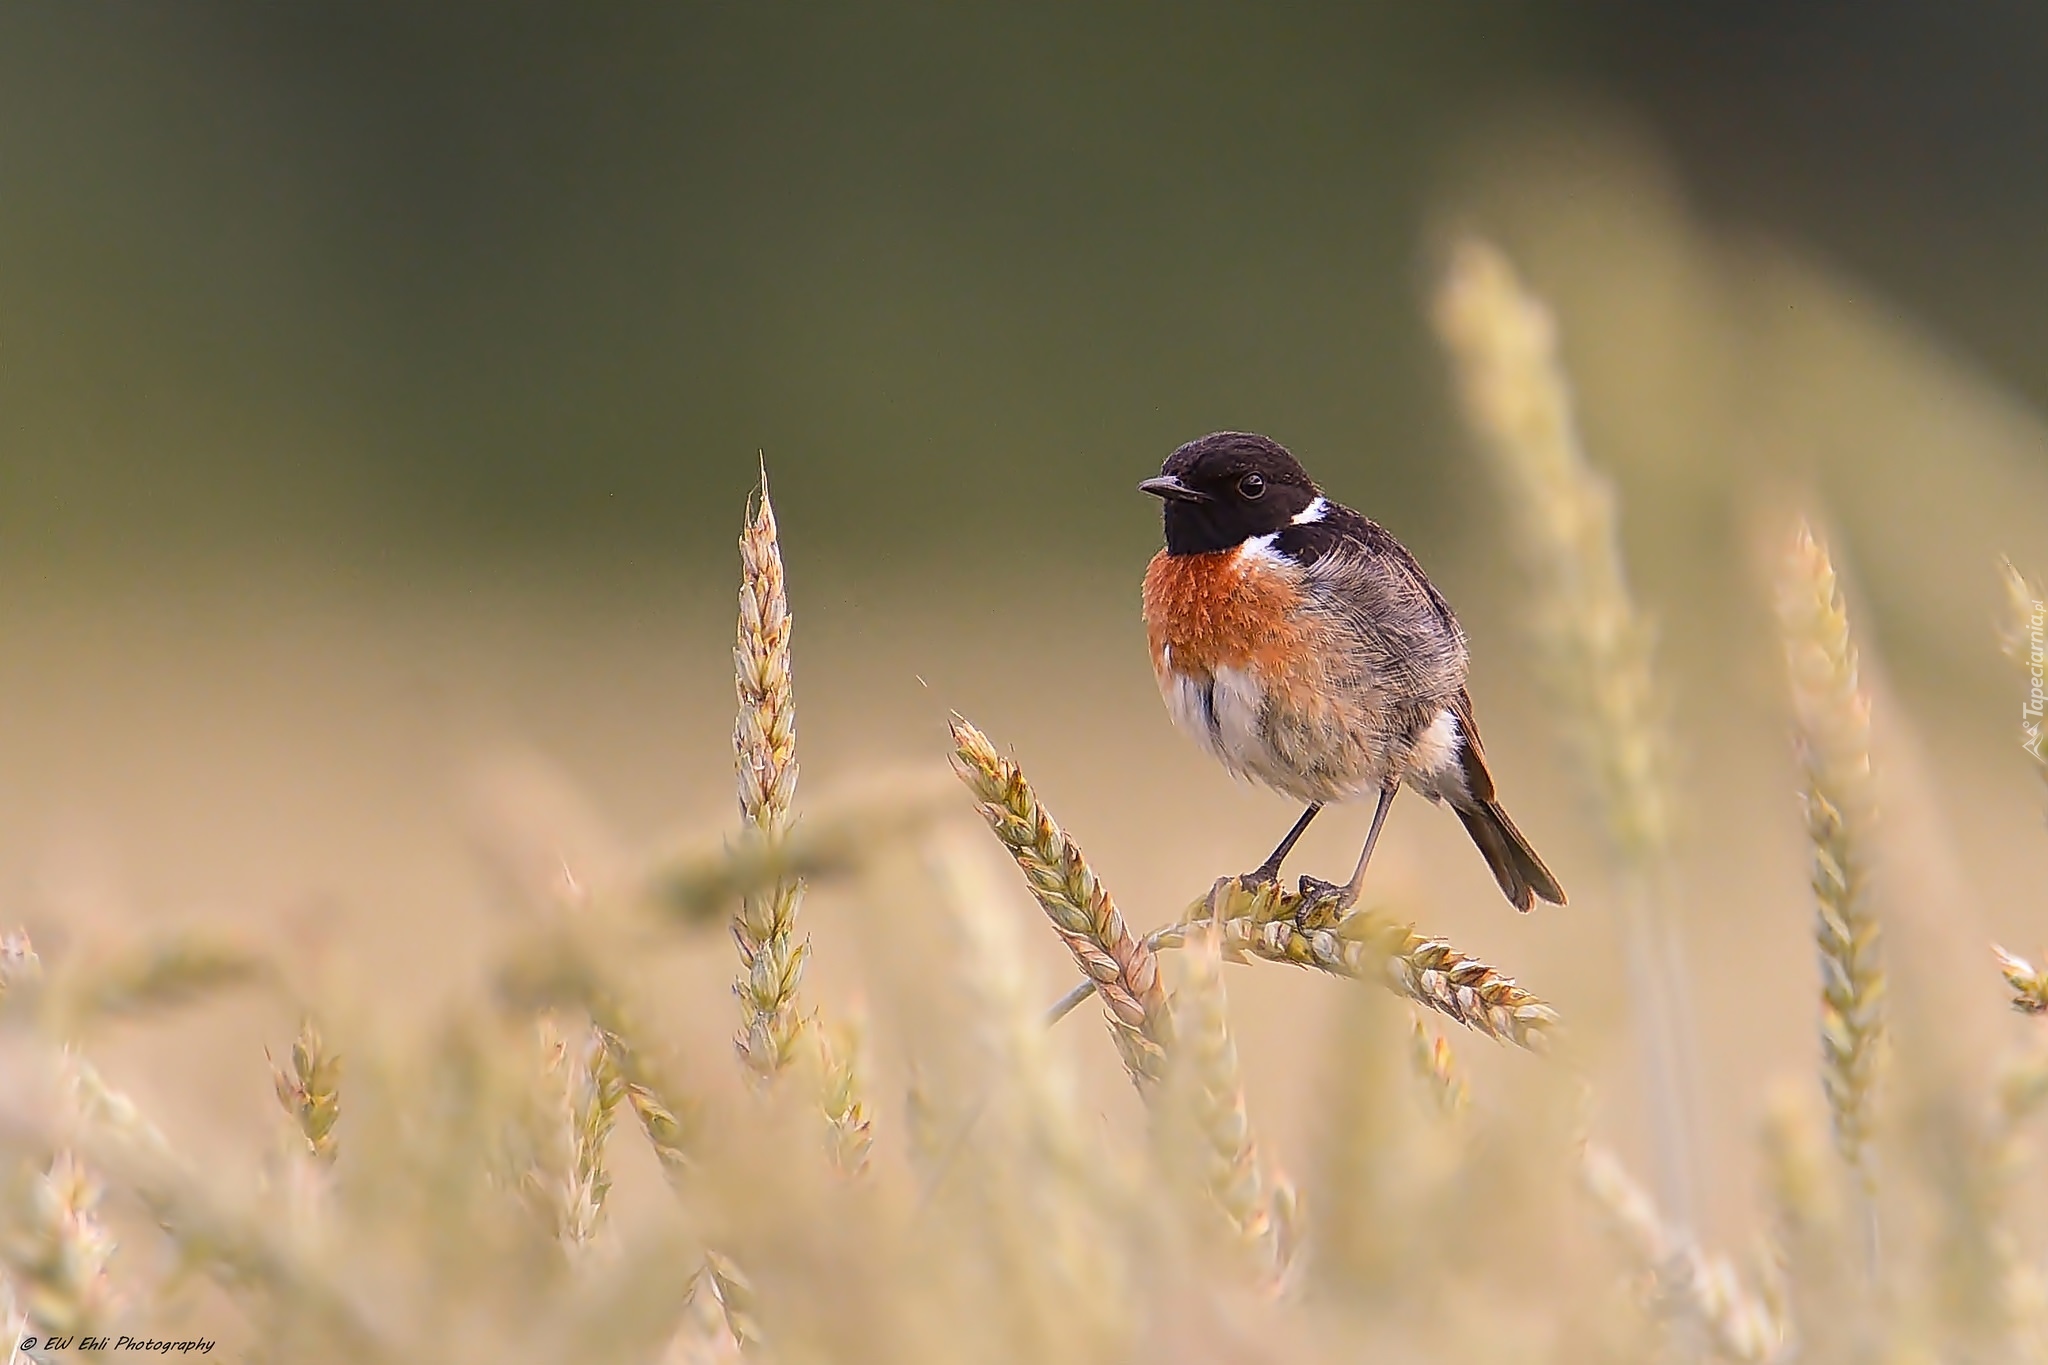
point(1303, 647)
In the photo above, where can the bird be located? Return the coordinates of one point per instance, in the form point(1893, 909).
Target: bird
point(1302, 646)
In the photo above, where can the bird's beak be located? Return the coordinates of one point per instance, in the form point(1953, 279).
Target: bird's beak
point(1172, 489)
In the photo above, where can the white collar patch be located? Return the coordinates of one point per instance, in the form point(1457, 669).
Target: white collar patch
point(1313, 512)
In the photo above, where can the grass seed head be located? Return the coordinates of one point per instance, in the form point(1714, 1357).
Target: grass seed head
point(1123, 966)
point(2029, 983)
point(1831, 714)
point(1692, 1290)
point(311, 1091)
point(772, 958)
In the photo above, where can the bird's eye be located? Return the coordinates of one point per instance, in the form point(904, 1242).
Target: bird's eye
point(1251, 487)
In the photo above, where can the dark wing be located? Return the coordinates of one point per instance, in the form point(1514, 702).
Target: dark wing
point(1400, 636)
point(1471, 753)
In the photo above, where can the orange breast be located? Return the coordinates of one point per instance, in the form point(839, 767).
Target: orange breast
point(1222, 610)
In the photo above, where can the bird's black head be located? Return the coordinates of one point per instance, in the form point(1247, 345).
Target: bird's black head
point(1226, 488)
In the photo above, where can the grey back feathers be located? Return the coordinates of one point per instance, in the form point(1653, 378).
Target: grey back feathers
point(1401, 634)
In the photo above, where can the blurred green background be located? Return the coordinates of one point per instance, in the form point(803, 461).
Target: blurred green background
point(386, 281)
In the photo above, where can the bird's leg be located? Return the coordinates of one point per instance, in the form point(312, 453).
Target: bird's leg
point(1317, 895)
point(1269, 871)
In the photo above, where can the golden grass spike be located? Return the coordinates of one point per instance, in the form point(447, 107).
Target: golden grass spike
point(18, 960)
point(668, 1122)
point(1123, 967)
point(1690, 1289)
point(849, 1126)
point(1204, 1067)
point(14, 1321)
point(696, 887)
point(596, 1099)
point(1430, 1054)
point(1832, 718)
point(59, 1250)
point(1597, 648)
point(1517, 400)
point(1822, 1298)
point(2029, 983)
point(163, 973)
point(560, 968)
point(238, 1248)
point(719, 1323)
point(2019, 1294)
point(311, 1091)
point(1015, 1158)
point(1372, 946)
point(764, 754)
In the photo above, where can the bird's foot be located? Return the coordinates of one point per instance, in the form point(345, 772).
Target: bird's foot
point(1259, 877)
point(1322, 903)
point(1220, 895)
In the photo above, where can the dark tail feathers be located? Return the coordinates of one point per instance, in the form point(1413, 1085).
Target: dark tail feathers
point(1521, 874)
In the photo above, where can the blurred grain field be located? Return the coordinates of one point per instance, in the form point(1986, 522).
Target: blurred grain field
point(341, 761)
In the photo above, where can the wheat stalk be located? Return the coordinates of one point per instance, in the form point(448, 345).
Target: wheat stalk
point(1822, 1296)
point(2018, 1294)
point(1689, 1288)
point(1209, 1086)
point(764, 754)
point(1043, 1194)
point(311, 1091)
point(1597, 645)
point(1832, 716)
point(1122, 968)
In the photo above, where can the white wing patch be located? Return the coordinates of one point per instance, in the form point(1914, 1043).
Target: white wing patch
point(1313, 512)
point(1433, 767)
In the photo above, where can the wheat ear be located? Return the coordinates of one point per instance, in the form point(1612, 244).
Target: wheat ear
point(584, 1091)
point(2029, 983)
point(1122, 967)
point(311, 1091)
point(1430, 1055)
point(60, 1254)
point(848, 1125)
point(18, 960)
point(1598, 647)
point(1690, 1289)
point(1372, 946)
point(1832, 717)
point(764, 754)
